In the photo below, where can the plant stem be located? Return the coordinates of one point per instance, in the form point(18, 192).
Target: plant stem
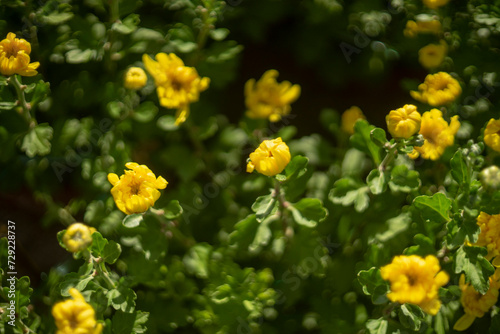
point(391, 154)
point(25, 106)
point(100, 267)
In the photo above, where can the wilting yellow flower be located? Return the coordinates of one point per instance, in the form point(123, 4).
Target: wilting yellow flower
point(77, 237)
point(437, 133)
point(177, 85)
point(474, 303)
point(422, 27)
point(433, 4)
point(492, 134)
point(415, 280)
point(270, 158)
point(432, 55)
point(403, 122)
point(269, 99)
point(137, 189)
point(350, 117)
point(75, 316)
point(15, 57)
point(438, 89)
point(135, 78)
point(489, 235)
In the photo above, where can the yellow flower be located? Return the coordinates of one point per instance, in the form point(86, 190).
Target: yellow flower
point(403, 122)
point(433, 4)
point(492, 134)
point(75, 316)
point(438, 89)
point(350, 117)
point(269, 99)
point(437, 133)
point(177, 85)
point(135, 78)
point(270, 158)
point(474, 303)
point(432, 55)
point(415, 280)
point(137, 189)
point(489, 235)
point(422, 27)
point(78, 237)
point(15, 57)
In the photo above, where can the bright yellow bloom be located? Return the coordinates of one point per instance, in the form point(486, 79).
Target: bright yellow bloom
point(270, 158)
point(135, 78)
point(438, 89)
point(432, 55)
point(489, 235)
point(269, 99)
point(15, 57)
point(422, 27)
point(492, 134)
point(403, 122)
point(433, 4)
point(78, 237)
point(137, 189)
point(437, 133)
point(350, 117)
point(415, 280)
point(177, 85)
point(474, 303)
point(75, 316)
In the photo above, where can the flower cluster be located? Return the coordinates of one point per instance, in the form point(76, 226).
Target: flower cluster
point(269, 99)
point(270, 158)
point(15, 57)
point(135, 78)
point(350, 117)
point(75, 316)
point(415, 280)
point(474, 303)
point(78, 237)
point(177, 85)
point(437, 133)
point(432, 55)
point(437, 89)
point(492, 134)
point(403, 122)
point(413, 28)
point(488, 237)
point(137, 189)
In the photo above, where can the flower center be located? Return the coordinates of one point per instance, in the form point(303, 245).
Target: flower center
point(177, 85)
point(10, 50)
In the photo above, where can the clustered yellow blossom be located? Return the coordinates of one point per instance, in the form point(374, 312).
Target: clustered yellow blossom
point(474, 303)
point(437, 133)
point(15, 57)
point(432, 55)
point(403, 122)
point(433, 4)
point(413, 28)
point(415, 280)
point(137, 189)
point(270, 158)
point(78, 237)
point(268, 99)
point(489, 235)
point(350, 117)
point(492, 134)
point(177, 85)
point(437, 89)
point(75, 316)
point(135, 78)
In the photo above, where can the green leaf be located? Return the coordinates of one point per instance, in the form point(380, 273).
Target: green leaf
point(403, 179)
point(98, 245)
point(111, 252)
point(377, 326)
point(378, 136)
point(56, 18)
point(167, 123)
point(77, 56)
point(122, 298)
point(459, 170)
point(411, 316)
point(3, 81)
point(196, 260)
point(296, 167)
point(424, 246)
point(373, 284)
point(128, 25)
point(73, 280)
point(263, 234)
point(434, 208)
point(133, 220)
point(219, 34)
point(145, 112)
point(244, 232)
point(264, 206)
point(347, 192)
point(37, 141)
point(7, 105)
point(308, 212)
point(361, 139)
point(376, 182)
point(173, 210)
point(470, 259)
point(129, 323)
